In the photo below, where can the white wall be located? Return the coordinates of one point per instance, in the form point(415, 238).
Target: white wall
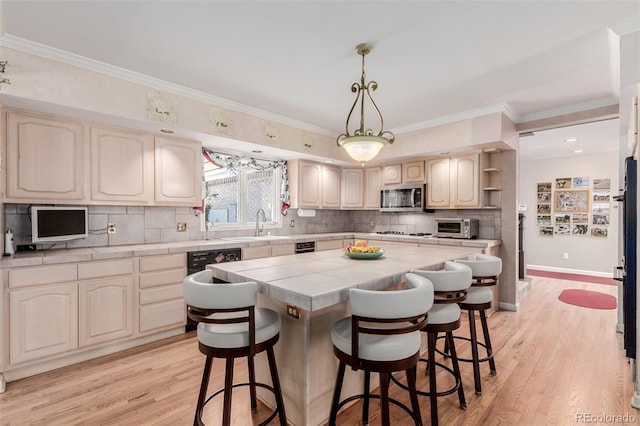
point(587, 254)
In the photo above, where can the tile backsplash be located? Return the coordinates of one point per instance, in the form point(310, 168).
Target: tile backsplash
point(146, 225)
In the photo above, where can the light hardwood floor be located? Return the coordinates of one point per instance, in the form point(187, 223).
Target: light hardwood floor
point(555, 362)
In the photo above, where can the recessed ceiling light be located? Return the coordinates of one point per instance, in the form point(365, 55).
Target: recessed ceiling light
point(577, 151)
point(168, 131)
point(571, 140)
point(329, 161)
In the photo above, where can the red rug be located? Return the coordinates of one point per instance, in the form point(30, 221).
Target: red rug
point(588, 299)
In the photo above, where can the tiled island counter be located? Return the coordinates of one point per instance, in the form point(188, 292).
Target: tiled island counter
point(318, 284)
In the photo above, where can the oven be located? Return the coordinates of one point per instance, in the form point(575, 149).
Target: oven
point(457, 228)
point(305, 247)
point(198, 260)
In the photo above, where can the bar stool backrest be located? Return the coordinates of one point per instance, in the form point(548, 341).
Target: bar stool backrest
point(389, 313)
point(485, 268)
point(449, 284)
point(199, 291)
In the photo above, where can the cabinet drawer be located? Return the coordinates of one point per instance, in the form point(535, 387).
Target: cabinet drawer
point(328, 245)
point(162, 315)
point(156, 279)
point(108, 268)
point(25, 277)
point(160, 294)
point(282, 249)
point(249, 253)
point(158, 263)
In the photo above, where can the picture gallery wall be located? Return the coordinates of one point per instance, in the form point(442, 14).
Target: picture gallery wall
point(574, 206)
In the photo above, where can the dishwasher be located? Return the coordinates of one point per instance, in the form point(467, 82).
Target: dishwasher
point(198, 260)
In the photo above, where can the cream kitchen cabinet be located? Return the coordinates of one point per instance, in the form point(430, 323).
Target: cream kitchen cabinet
point(392, 174)
point(372, 185)
point(178, 172)
point(454, 182)
point(413, 172)
point(43, 321)
point(43, 311)
point(331, 177)
point(407, 172)
point(105, 301)
point(56, 310)
point(352, 194)
point(106, 309)
point(313, 185)
point(46, 159)
point(161, 303)
point(121, 166)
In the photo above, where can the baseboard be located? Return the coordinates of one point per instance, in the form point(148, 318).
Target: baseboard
point(570, 271)
point(509, 306)
point(572, 274)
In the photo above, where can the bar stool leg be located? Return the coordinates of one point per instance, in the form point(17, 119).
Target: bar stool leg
point(487, 342)
point(228, 389)
point(252, 384)
point(203, 391)
point(365, 405)
point(384, 398)
point(474, 352)
point(336, 394)
point(433, 397)
point(456, 369)
point(413, 395)
point(275, 380)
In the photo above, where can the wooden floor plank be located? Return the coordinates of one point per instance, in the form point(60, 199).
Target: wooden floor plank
point(554, 361)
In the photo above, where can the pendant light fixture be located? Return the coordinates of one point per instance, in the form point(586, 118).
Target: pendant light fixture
point(363, 145)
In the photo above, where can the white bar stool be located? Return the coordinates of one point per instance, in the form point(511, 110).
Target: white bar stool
point(230, 327)
point(486, 271)
point(382, 335)
point(450, 287)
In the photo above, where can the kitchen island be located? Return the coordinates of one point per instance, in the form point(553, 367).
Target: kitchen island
point(316, 286)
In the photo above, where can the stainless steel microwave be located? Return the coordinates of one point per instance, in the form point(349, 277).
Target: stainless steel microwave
point(458, 228)
point(403, 198)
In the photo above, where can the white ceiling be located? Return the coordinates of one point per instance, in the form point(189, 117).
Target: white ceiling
point(435, 61)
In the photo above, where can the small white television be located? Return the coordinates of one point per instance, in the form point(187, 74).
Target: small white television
point(55, 224)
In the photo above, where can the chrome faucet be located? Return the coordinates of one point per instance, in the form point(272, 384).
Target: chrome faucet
point(264, 219)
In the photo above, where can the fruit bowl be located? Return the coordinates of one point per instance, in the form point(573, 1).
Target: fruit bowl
point(365, 255)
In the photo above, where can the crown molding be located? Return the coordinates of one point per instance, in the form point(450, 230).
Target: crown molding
point(569, 109)
point(452, 118)
point(48, 52)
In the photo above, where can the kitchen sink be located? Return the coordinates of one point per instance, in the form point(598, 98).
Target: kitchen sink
point(259, 238)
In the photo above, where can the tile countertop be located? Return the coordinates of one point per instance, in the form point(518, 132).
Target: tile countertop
point(313, 281)
point(55, 256)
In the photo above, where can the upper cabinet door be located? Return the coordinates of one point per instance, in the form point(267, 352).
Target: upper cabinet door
point(465, 171)
point(45, 159)
point(372, 184)
point(438, 183)
point(121, 166)
point(392, 174)
point(352, 189)
point(178, 172)
point(413, 171)
point(331, 187)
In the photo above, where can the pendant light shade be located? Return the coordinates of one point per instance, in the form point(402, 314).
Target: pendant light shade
point(363, 144)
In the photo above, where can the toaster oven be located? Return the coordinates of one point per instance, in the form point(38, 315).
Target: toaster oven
point(457, 228)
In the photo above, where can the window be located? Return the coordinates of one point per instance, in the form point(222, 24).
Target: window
point(235, 191)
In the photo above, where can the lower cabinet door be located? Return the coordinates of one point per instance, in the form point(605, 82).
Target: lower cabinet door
point(105, 310)
point(162, 315)
point(43, 322)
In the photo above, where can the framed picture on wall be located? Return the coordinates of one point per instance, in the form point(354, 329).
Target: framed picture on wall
point(563, 183)
point(544, 187)
point(571, 200)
